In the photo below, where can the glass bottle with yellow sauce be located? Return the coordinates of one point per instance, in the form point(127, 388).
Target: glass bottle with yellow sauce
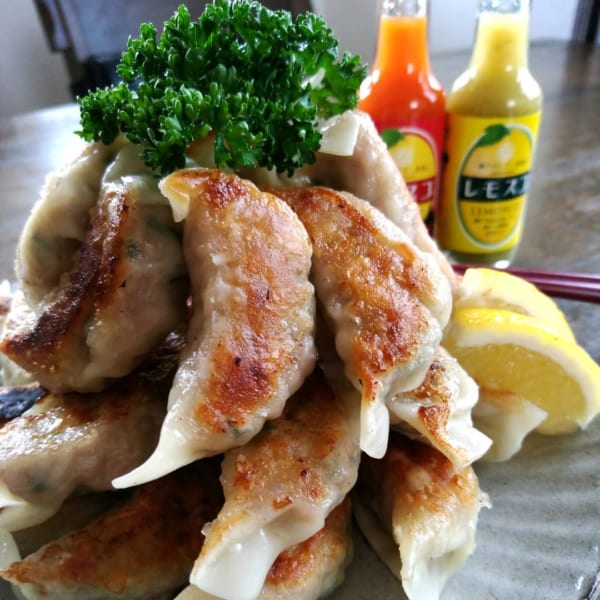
point(492, 113)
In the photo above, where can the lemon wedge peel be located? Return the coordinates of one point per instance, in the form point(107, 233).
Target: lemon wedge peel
point(510, 352)
point(489, 288)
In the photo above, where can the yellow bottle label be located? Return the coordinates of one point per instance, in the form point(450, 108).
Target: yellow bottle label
point(485, 182)
point(415, 153)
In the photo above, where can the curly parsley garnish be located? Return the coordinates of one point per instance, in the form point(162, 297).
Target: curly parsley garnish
point(255, 79)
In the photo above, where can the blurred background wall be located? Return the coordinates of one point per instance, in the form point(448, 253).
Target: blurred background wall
point(31, 76)
point(452, 24)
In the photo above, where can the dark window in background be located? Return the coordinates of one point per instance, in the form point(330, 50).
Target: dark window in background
point(585, 28)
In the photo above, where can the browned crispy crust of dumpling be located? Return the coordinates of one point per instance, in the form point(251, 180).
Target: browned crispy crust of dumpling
point(435, 416)
point(140, 549)
point(415, 479)
point(82, 441)
point(312, 431)
point(250, 341)
point(75, 513)
point(385, 300)
point(55, 336)
point(383, 279)
point(279, 489)
point(247, 366)
point(316, 566)
point(439, 411)
point(53, 345)
point(371, 173)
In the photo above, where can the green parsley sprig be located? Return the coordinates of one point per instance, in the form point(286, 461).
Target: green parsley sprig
point(256, 79)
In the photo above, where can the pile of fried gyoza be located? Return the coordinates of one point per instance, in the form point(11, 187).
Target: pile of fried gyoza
point(218, 370)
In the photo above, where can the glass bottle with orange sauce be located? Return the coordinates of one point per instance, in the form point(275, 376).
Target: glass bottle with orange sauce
point(493, 114)
point(405, 100)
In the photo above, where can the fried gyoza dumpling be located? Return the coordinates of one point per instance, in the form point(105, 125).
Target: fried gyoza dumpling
point(311, 569)
point(386, 302)
point(315, 567)
point(127, 291)
point(419, 513)
point(75, 513)
point(250, 342)
point(370, 173)
point(439, 411)
point(142, 549)
point(75, 443)
point(60, 220)
point(279, 489)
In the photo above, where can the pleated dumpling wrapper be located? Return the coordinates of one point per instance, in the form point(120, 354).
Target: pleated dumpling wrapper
point(385, 301)
point(75, 443)
point(308, 570)
point(250, 341)
point(369, 172)
point(419, 513)
point(59, 221)
point(142, 548)
point(439, 411)
point(507, 419)
point(123, 290)
point(279, 489)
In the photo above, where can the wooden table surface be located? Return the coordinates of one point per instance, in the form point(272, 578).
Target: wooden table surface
point(562, 230)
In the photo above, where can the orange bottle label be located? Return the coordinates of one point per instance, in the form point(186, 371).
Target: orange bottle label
point(416, 153)
point(407, 104)
point(485, 182)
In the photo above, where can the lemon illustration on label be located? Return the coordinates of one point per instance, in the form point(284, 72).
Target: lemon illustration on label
point(493, 182)
point(414, 153)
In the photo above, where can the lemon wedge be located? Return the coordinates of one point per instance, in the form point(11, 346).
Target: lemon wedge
point(481, 287)
point(507, 352)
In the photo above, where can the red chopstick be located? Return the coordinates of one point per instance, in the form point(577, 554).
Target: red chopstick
point(584, 287)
